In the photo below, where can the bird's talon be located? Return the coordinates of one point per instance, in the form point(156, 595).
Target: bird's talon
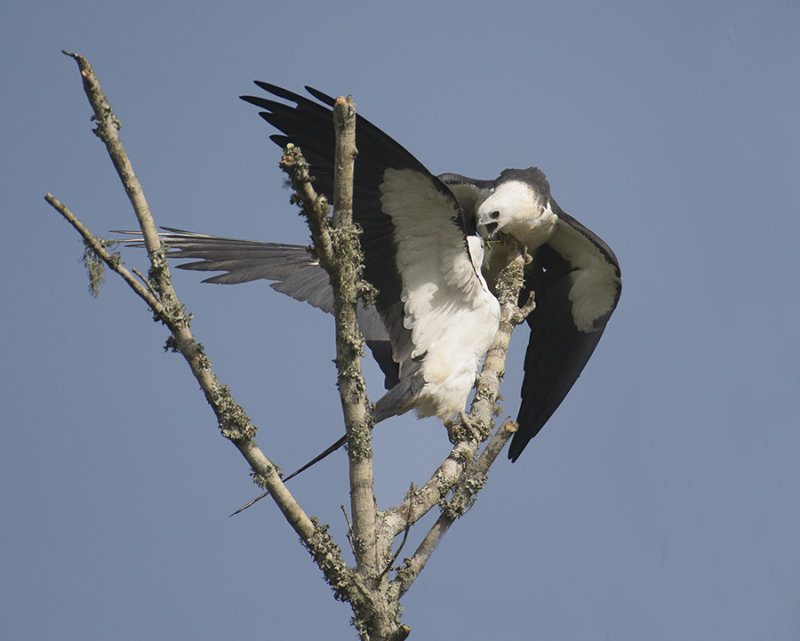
point(463, 429)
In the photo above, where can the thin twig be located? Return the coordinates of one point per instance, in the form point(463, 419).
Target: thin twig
point(349, 529)
point(470, 483)
point(391, 563)
point(143, 292)
point(145, 281)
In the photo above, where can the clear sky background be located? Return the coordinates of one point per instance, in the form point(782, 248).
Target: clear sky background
point(659, 503)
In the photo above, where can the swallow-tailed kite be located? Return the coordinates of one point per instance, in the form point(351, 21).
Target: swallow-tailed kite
point(434, 317)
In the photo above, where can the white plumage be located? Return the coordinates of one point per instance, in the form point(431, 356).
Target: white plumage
point(448, 308)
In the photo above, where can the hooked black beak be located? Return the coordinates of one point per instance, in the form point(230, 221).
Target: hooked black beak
point(487, 224)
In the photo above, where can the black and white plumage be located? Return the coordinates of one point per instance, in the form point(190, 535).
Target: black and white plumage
point(420, 251)
point(574, 274)
point(575, 277)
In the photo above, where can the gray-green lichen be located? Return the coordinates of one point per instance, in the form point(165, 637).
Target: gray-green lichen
point(234, 422)
point(95, 266)
point(463, 496)
point(328, 557)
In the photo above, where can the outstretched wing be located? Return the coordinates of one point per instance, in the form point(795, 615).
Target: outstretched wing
point(576, 280)
point(414, 234)
point(293, 269)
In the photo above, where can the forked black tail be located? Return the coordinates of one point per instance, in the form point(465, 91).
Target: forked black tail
point(313, 461)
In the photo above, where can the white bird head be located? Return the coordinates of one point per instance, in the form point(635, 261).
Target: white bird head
point(519, 204)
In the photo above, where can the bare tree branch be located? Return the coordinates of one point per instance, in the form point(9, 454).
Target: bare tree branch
point(107, 130)
point(233, 420)
point(464, 494)
point(338, 248)
point(350, 344)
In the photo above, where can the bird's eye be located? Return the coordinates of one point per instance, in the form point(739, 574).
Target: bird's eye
point(494, 215)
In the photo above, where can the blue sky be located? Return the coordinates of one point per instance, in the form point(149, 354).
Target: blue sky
point(660, 502)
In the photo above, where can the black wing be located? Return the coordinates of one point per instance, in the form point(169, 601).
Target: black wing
point(309, 125)
point(575, 262)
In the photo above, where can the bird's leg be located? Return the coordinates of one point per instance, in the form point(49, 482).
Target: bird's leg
point(464, 429)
